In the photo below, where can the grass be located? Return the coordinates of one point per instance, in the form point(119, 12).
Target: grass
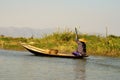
point(65, 42)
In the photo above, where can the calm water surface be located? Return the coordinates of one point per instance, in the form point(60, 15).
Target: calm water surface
point(15, 65)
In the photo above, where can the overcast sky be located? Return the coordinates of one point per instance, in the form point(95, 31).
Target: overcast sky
point(91, 15)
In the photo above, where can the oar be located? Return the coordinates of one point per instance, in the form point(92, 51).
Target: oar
point(76, 33)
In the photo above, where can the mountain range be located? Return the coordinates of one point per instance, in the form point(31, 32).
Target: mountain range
point(24, 31)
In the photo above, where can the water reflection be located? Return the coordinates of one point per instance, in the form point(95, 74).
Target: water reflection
point(80, 69)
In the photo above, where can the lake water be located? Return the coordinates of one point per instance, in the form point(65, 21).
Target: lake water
point(16, 65)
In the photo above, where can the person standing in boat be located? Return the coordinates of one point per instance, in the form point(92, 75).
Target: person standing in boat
point(81, 49)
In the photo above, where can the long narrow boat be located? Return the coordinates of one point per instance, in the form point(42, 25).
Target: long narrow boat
point(48, 52)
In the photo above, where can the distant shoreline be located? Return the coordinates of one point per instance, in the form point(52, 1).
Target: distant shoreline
point(64, 42)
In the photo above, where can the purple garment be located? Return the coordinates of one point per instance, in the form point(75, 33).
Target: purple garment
point(76, 53)
point(79, 48)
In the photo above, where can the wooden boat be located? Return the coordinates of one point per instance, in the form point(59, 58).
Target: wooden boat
point(48, 52)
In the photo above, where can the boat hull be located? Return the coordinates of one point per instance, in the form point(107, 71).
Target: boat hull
point(41, 52)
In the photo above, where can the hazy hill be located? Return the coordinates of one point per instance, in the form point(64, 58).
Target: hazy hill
point(24, 31)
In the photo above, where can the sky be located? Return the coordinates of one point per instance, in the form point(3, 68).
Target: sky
point(91, 16)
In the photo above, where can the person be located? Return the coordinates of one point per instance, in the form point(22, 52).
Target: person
point(81, 49)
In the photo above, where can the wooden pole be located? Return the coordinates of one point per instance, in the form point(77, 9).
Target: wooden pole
point(107, 41)
point(106, 31)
